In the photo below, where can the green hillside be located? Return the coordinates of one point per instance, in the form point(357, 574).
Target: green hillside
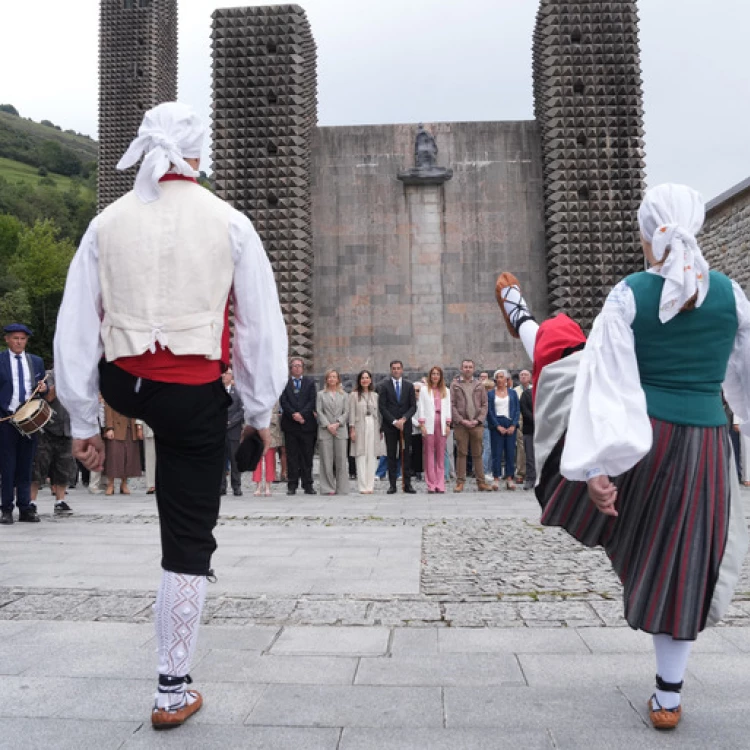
point(47, 145)
point(16, 173)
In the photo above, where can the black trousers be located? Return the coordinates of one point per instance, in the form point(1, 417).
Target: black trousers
point(232, 444)
point(392, 447)
point(16, 458)
point(190, 425)
point(300, 448)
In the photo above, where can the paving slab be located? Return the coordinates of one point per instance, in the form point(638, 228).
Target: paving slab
point(508, 641)
point(414, 641)
point(332, 641)
point(531, 708)
point(351, 706)
point(251, 668)
point(441, 670)
point(205, 736)
point(64, 734)
point(444, 739)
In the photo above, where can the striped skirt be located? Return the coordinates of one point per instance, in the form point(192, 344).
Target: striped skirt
point(668, 540)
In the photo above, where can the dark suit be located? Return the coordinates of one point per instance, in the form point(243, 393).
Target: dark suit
point(235, 418)
point(16, 451)
point(299, 438)
point(391, 409)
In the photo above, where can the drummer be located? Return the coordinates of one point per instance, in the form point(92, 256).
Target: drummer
point(20, 374)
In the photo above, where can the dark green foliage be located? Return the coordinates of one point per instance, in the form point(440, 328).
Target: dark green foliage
point(9, 108)
point(32, 281)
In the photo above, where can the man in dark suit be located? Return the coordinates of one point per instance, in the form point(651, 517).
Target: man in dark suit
point(299, 426)
point(398, 404)
point(235, 420)
point(20, 373)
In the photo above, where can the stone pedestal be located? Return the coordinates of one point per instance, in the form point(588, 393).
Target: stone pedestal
point(426, 210)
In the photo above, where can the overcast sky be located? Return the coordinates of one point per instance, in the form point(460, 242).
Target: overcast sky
point(426, 60)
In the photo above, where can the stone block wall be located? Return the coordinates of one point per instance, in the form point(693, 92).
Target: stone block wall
point(408, 272)
point(137, 71)
point(725, 237)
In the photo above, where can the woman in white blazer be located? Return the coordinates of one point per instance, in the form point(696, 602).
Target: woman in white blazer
point(434, 416)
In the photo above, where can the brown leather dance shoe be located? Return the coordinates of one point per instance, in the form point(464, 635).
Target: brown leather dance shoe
point(162, 718)
point(663, 718)
point(459, 486)
point(504, 280)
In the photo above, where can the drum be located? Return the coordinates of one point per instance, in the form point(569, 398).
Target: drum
point(32, 416)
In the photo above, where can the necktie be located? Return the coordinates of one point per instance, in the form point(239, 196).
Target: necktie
point(398, 390)
point(296, 384)
point(21, 384)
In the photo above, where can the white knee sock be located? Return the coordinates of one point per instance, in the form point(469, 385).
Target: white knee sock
point(178, 608)
point(516, 307)
point(671, 663)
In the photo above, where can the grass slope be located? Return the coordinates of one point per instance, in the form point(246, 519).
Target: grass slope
point(86, 148)
point(15, 172)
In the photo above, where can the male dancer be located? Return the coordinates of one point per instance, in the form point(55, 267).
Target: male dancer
point(149, 289)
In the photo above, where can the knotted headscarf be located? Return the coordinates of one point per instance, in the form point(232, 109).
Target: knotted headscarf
point(669, 217)
point(170, 133)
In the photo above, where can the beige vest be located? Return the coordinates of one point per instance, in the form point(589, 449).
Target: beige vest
point(166, 270)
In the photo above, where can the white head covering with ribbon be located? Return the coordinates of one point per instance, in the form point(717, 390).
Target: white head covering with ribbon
point(669, 217)
point(169, 134)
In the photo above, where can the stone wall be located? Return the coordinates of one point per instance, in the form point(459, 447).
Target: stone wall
point(409, 271)
point(725, 237)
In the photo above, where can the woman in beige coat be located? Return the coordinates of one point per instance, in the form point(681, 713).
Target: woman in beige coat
point(364, 430)
point(331, 407)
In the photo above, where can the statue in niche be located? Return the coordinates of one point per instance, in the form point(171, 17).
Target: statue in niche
point(425, 149)
point(426, 171)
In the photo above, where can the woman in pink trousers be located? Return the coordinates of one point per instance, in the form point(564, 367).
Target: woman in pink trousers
point(434, 416)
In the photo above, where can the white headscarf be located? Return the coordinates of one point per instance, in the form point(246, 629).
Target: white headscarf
point(669, 217)
point(170, 133)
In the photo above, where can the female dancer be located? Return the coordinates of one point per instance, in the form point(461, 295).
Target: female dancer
point(642, 404)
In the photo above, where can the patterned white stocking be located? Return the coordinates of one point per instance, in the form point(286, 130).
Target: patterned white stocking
point(178, 608)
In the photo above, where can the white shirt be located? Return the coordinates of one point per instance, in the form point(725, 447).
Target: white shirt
point(609, 430)
point(259, 355)
point(502, 408)
point(15, 401)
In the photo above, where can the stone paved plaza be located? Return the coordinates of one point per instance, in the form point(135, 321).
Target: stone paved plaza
point(348, 623)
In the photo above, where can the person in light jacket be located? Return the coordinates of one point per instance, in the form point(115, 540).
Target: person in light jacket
point(364, 430)
point(434, 415)
point(331, 406)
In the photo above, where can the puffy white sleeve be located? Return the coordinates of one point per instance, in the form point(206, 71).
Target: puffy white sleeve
point(609, 430)
point(78, 344)
point(737, 380)
point(259, 354)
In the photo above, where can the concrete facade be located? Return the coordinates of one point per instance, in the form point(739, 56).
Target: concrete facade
point(588, 103)
point(403, 271)
point(137, 71)
point(725, 238)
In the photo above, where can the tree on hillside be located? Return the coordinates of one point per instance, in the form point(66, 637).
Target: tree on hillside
point(9, 108)
point(40, 265)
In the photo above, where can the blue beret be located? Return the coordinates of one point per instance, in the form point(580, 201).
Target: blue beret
point(18, 328)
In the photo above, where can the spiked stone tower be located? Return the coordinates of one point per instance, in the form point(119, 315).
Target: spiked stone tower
point(137, 71)
point(588, 103)
point(265, 111)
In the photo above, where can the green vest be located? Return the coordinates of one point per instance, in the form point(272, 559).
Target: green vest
point(682, 363)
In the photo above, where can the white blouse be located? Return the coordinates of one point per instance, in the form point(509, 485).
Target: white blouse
point(609, 430)
point(501, 406)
